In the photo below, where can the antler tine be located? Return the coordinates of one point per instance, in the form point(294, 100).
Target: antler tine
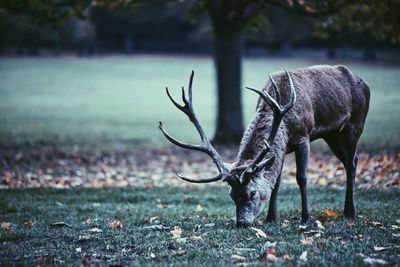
point(278, 112)
point(202, 181)
point(267, 98)
point(176, 142)
point(182, 108)
point(205, 145)
point(277, 94)
point(293, 96)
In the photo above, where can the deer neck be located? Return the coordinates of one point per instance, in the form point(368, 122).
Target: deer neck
point(253, 141)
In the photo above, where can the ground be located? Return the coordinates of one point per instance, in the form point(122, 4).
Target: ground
point(68, 124)
point(192, 226)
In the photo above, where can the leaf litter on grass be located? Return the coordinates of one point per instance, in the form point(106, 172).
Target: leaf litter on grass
point(27, 166)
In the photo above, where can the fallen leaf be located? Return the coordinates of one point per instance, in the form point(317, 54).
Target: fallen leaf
point(78, 249)
point(237, 258)
point(196, 238)
point(369, 260)
point(209, 225)
point(322, 219)
point(302, 227)
point(259, 233)
point(271, 257)
point(197, 227)
point(303, 256)
point(286, 257)
point(29, 224)
point(156, 227)
point(330, 213)
point(95, 230)
point(395, 227)
point(384, 248)
point(199, 208)
point(319, 224)
point(153, 219)
point(374, 223)
point(178, 252)
point(176, 233)
point(285, 224)
point(316, 233)
point(307, 241)
point(313, 253)
point(115, 224)
point(7, 226)
point(60, 224)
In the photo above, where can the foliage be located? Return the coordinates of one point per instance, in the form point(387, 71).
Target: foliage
point(377, 18)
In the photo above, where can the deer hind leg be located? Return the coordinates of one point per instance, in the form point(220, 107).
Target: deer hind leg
point(271, 217)
point(344, 146)
point(302, 153)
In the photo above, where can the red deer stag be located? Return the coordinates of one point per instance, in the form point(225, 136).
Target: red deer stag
point(328, 102)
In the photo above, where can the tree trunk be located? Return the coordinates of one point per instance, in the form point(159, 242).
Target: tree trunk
point(228, 62)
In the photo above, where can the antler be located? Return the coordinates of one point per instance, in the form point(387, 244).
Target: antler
point(279, 112)
point(205, 145)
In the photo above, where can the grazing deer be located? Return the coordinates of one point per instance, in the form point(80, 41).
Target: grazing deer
point(328, 102)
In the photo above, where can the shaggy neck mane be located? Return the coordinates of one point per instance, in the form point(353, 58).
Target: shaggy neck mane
point(252, 142)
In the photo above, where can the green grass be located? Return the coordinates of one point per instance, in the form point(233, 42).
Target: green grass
point(84, 209)
point(120, 100)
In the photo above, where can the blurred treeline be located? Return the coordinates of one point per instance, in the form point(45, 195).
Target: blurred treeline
point(169, 29)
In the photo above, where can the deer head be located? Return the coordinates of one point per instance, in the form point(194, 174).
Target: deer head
point(247, 188)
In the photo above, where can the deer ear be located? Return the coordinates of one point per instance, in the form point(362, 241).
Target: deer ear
point(266, 164)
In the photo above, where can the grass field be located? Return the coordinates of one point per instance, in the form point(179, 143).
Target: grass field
point(342, 241)
point(120, 100)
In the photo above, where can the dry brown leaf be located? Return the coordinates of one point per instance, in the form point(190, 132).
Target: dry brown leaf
point(117, 224)
point(29, 224)
point(271, 258)
point(287, 257)
point(330, 213)
point(307, 241)
point(313, 253)
point(7, 226)
point(322, 219)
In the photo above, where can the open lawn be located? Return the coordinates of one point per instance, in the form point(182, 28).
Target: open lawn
point(52, 109)
point(88, 238)
point(121, 99)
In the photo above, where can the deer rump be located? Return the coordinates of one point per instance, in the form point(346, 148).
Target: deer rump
point(328, 102)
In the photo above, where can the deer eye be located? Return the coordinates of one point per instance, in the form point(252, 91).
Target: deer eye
point(252, 193)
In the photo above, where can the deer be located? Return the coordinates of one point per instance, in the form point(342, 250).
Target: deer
point(322, 101)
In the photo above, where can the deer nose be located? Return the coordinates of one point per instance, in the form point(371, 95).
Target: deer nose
point(243, 224)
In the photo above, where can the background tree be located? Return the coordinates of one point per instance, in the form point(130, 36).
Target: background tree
point(229, 21)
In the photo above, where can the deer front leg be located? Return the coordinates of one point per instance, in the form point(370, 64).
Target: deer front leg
point(271, 217)
point(302, 153)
